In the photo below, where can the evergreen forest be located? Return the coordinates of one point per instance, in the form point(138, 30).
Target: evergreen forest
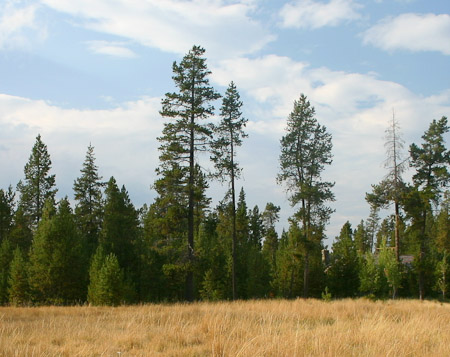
point(98, 248)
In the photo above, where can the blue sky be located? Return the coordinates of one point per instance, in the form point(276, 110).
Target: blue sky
point(94, 71)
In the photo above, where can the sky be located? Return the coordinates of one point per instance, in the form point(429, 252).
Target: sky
point(83, 72)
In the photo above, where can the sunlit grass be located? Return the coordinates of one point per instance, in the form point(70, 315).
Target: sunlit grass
point(244, 328)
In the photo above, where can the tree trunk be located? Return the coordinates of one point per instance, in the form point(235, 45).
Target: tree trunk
point(190, 247)
point(234, 242)
point(306, 276)
point(291, 285)
point(444, 286)
point(421, 258)
point(397, 232)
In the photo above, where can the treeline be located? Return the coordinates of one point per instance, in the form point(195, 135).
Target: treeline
point(105, 251)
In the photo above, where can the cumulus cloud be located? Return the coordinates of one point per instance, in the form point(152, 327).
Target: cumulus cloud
point(413, 32)
point(314, 14)
point(115, 49)
point(18, 25)
point(173, 25)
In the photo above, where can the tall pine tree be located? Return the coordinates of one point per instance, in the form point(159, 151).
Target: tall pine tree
point(305, 151)
point(229, 133)
point(431, 161)
point(186, 134)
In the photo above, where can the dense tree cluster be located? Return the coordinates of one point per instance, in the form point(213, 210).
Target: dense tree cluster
point(105, 251)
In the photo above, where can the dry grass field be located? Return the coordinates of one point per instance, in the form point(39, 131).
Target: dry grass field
point(250, 328)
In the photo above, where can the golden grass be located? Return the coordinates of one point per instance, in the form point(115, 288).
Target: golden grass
point(243, 328)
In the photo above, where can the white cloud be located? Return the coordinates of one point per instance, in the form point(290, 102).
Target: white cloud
point(18, 25)
point(354, 107)
point(173, 25)
point(115, 49)
point(314, 14)
point(413, 32)
point(124, 139)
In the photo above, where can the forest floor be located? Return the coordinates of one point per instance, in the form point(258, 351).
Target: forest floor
point(243, 328)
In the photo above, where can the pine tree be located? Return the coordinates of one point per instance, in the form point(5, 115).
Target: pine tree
point(443, 227)
point(21, 234)
point(443, 271)
point(166, 220)
point(371, 277)
point(431, 162)
point(6, 256)
point(109, 286)
point(165, 232)
point(229, 133)
point(305, 151)
point(259, 269)
point(270, 216)
point(386, 231)
point(57, 272)
point(201, 200)
point(19, 290)
point(6, 212)
point(119, 231)
point(372, 224)
point(97, 262)
point(212, 256)
point(343, 277)
point(256, 227)
point(284, 258)
point(289, 277)
point(149, 280)
point(165, 229)
point(243, 246)
point(38, 185)
point(88, 194)
point(186, 135)
point(362, 239)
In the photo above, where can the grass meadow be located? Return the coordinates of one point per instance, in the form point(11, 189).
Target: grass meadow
point(243, 328)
